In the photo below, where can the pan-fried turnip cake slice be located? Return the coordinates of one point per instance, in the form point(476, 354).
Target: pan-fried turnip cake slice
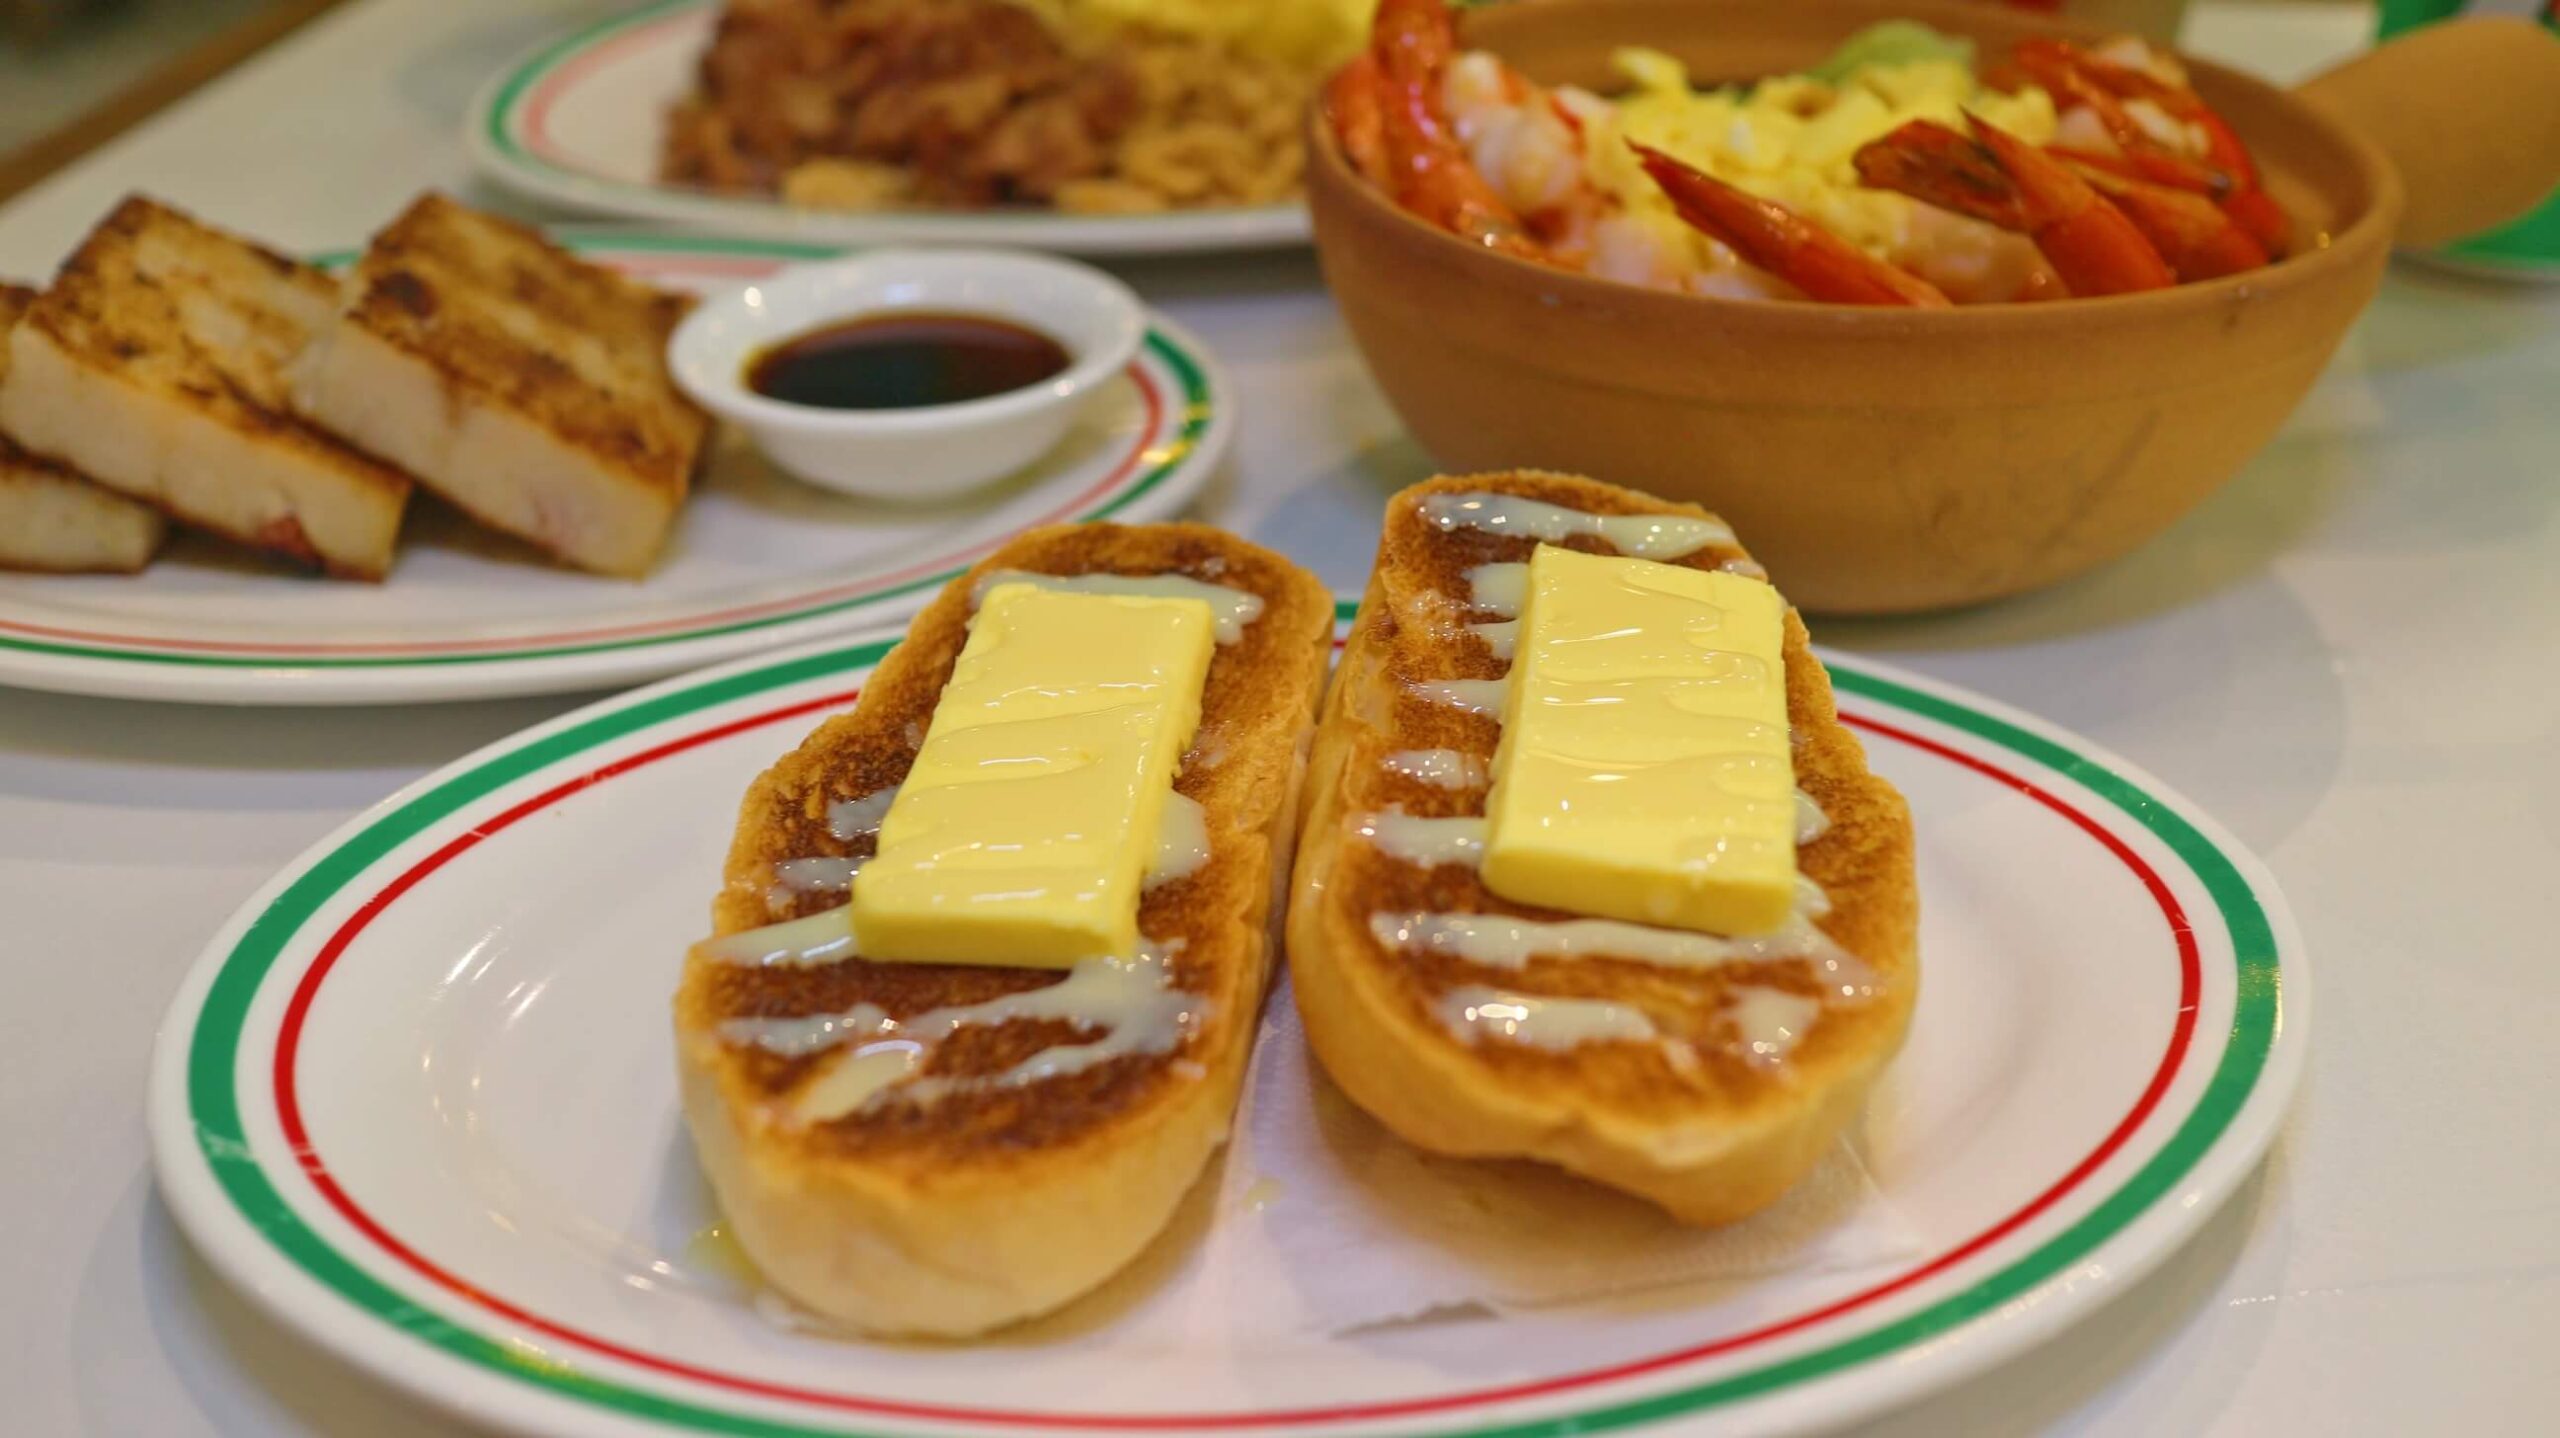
point(521, 383)
point(50, 517)
point(53, 520)
point(156, 365)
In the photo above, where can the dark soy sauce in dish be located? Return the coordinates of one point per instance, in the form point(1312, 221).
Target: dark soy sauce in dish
point(905, 359)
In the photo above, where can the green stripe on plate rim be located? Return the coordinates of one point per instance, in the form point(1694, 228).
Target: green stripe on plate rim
point(214, 1052)
point(494, 124)
point(1192, 413)
point(615, 237)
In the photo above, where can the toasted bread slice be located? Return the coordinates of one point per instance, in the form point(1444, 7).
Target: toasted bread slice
point(522, 384)
point(956, 1214)
point(1692, 1117)
point(155, 365)
point(51, 518)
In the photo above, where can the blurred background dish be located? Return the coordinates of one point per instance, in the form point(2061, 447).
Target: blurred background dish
point(1898, 460)
point(1079, 126)
point(1906, 168)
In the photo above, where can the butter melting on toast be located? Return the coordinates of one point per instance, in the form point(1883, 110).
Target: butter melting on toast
point(1704, 1071)
point(944, 1148)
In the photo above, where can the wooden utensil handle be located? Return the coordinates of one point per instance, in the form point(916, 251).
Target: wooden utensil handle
point(2468, 110)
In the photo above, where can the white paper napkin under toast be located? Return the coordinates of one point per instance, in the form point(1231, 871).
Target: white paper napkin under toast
point(1327, 1222)
point(1317, 1221)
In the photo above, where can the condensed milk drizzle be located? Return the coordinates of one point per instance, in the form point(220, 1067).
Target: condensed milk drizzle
point(1475, 1012)
point(1811, 822)
point(1453, 769)
point(1230, 608)
point(1182, 846)
point(851, 819)
point(1126, 1004)
point(1504, 941)
point(1644, 536)
point(1130, 1002)
point(818, 874)
point(825, 937)
point(821, 874)
point(1476, 696)
point(1428, 842)
point(1501, 590)
point(1460, 840)
point(1767, 1023)
point(1182, 841)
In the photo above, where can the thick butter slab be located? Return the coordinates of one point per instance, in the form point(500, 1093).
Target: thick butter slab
point(1022, 835)
point(1645, 771)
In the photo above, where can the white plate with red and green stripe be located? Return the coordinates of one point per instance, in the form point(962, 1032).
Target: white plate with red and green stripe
point(756, 560)
point(578, 121)
point(418, 1099)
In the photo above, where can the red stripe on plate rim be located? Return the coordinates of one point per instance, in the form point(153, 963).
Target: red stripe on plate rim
point(1148, 434)
point(315, 1169)
point(537, 106)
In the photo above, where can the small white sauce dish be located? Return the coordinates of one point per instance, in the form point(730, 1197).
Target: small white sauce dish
point(933, 451)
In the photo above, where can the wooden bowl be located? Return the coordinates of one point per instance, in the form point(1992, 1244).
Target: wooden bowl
point(1877, 460)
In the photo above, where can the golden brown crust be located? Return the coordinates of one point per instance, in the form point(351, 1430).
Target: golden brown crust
point(22, 469)
point(504, 316)
point(115, 307)
point(165, 347)
point(14, 299)
point(15, 566)
point(1128, 1134)
point(114, 534)
point(1624, 1112)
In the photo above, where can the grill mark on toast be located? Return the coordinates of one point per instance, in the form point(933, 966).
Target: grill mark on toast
point(1422, 574)
point(786, 816)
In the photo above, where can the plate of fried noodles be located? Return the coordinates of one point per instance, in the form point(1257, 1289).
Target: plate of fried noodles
point(1085, 126)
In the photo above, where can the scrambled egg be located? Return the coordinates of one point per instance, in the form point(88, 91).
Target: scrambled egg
point(1314, 34)
point(1791, 139)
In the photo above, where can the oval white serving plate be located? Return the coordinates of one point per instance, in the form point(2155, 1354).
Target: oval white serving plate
point(577, 121)
point(757, 559)
point(418, 1099)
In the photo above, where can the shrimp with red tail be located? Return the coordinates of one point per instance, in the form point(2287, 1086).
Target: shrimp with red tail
point(2199, 239)
point(1355, 105)
point(2002, 180)
point(1786, 244)
point(2216, 163)
point(1427, 168)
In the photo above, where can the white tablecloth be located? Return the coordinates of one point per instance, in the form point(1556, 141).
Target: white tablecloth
point(2352, 656)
